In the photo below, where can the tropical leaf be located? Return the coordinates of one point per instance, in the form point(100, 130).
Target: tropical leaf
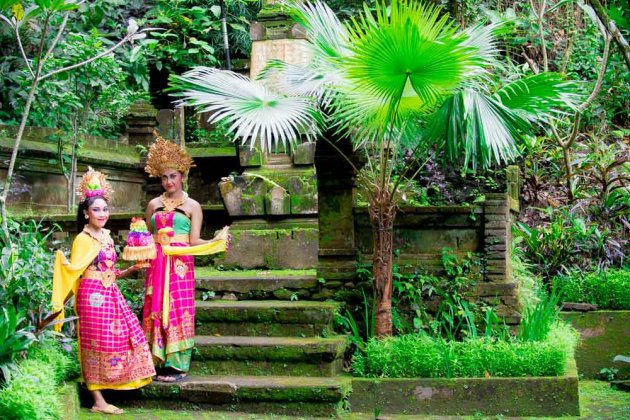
point(403, 60)
point(536, 97)
point(477, 126)
point(253, 112)
point(323, 28)
point(301, 80)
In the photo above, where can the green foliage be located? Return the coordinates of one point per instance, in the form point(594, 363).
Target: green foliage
point(538, 321)
point(192, 34)
point(418, 355)
point(26, 268)
point(609, 289)
point(360, 337)
point(52, 353)
point(13, 341)
point(32, 394)
point(529, 283)
point(134, 295)
point(93, 98)
point(565, 240)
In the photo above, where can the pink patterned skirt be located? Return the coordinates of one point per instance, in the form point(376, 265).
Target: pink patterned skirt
point(171, 344)
point(113, 350)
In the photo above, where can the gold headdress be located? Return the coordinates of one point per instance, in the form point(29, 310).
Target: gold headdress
point(94, 183)
point(163, 155)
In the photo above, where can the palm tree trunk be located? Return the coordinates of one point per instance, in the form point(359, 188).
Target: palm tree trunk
point(382, 215)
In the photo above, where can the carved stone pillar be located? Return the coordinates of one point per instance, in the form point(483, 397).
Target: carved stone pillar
point(335, 185)
point(141, 122)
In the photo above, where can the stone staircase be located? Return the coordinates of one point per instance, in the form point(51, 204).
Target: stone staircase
point(258, 356)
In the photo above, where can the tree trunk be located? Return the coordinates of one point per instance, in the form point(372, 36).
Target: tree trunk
point(621, 42)
point(382, 215)
point(16, 147)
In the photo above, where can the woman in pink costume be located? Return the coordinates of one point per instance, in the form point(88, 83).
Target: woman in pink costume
point(169, 305)
point(112, 348)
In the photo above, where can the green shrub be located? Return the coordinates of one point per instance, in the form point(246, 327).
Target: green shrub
point(13, 341)
point(608, 290)
point(54, 355)
point(32, 394)
point(418, 355)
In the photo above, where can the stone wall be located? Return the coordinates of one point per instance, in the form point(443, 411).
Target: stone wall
point(39, 187)
point(421, 233)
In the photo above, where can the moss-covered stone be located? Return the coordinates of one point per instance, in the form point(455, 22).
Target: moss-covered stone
point(265, 368)
point(249, 157)
point(537, 396)
point(286, 349)
point(603, 335)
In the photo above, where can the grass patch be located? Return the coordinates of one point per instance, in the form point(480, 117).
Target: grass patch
point(32, 393)
point(418, 355)
point(608, 290)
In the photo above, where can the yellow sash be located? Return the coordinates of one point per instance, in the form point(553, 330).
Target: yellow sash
point(65, 274)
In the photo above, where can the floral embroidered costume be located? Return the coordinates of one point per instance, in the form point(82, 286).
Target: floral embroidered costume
point(169, 302)
point(113, 351)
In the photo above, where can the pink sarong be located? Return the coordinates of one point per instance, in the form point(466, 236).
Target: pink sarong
point(113, 350)
point(170, 344)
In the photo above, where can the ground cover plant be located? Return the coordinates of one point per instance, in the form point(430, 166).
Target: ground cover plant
point(419, 355)
point(32, 391)
point(608, 289)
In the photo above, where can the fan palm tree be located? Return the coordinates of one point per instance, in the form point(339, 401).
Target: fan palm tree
point(395, 80)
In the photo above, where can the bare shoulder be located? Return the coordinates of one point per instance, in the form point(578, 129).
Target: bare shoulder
point(194, 204)
point(154, 203)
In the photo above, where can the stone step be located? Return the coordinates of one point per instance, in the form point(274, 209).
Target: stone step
point(276, 318)
point(258, 356)
point(280, 395)
point(282, 349)
point(254, 283)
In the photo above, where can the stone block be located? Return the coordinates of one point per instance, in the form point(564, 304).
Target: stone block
point(304, 154)
point(495, 217)
point(496, 224)
point(603, 335)
point(296, 249)
point(257, 31)
point(296, 32)
point(495, 289)
point(497, 209)
point(277, 201)
point(249, 157)
point(249, 249)
point(528, 396)
point(243, 197)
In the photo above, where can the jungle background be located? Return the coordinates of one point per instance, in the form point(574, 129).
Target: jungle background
point(572, 232)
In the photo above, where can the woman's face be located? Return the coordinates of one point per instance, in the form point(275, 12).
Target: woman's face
point(98, 213)
point(172, 181)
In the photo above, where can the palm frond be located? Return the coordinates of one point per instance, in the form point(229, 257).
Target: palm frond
point(253, 112)
point(311, 80)
point(481, 38)
point(477, 127)
point(322, 26)
point(403, 61)
point(537, 96)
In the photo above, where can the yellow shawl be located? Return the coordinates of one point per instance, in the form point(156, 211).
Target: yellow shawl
point(66, 274)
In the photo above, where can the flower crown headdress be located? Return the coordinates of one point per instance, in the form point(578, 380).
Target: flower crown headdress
point(164, 154)
point(94, 183)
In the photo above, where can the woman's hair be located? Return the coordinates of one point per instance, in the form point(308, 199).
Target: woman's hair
point(83, 206)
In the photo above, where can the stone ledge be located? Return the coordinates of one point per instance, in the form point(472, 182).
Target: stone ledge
point(530, 396)
point(286, 349)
